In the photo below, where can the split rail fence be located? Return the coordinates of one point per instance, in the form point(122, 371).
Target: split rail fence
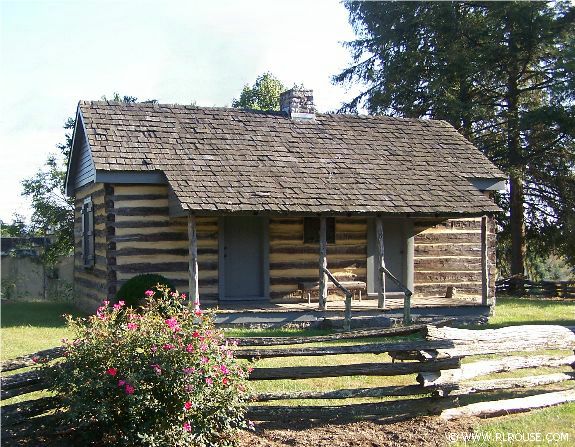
point(436, 360)
point(548, 289)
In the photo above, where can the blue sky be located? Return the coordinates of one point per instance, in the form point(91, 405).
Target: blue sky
point(54, 53)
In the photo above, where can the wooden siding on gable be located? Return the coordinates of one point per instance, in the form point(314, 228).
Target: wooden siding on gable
point(448, 253)
point(84, 171)
point(91, 284)
point(292, 261)
point(147, 240)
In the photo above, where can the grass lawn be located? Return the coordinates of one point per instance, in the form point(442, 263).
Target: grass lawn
point(28, 327)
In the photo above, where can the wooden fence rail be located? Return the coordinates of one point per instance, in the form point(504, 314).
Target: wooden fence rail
point(436, 359)
point(548, 289)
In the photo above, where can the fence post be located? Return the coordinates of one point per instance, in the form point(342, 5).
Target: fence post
point(347, 315)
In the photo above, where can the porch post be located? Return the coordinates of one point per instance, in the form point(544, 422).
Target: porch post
point(193, 262)
point(380, 262)
point(322, 263)
point(484, 263)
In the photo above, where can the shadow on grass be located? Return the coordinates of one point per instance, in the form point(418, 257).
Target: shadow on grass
point(37, 314)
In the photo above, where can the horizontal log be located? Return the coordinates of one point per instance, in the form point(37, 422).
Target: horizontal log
point(484, 367)
point(161, 251)
point(508, 406)
point(349, 335)
point(507, 339)
point(20, 380)
point(332, 250)
point(333, 264)
point(440, 289)
point(155, 237)
point(162, 267)
point(137, 197)
point(359, 369)
point(38, 386)
point(450, 264)
point(441, 277)
point(28, 360)
point(142, 211)
point(389, 410)
point(503, 384)
point(350, 393)
point(20, 412)
point(372, 348)
point(451, 224)
point(447, 237)
point(428, 250)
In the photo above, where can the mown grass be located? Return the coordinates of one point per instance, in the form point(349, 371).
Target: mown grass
point(28, 327)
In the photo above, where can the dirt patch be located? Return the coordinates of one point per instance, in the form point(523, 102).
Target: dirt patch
point(424, 431)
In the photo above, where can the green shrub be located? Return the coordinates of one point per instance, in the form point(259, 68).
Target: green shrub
point(137, 378)
point(132, 291)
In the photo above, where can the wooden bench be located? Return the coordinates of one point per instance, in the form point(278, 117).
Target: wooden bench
point(312, 286)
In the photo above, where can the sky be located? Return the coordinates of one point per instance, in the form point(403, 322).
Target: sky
point(55, 53)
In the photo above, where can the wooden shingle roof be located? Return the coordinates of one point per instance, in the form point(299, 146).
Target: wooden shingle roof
point(232, 160)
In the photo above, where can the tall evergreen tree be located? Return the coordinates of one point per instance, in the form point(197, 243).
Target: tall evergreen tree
point(502, 73)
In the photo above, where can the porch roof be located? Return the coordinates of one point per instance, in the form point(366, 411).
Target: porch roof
point(233, 160)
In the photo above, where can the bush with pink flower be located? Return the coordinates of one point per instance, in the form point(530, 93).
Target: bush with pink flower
point(157, 376)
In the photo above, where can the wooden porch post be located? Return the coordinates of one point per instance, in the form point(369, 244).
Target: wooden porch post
point(193, 262)
point(380, 262)
point(322, 263)
point(484, 263)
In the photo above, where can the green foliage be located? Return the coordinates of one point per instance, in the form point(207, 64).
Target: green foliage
point(53, 210)
point(263, 95)
point(133, 290)
point(17, 228)
point(503, 73)
point(143, 379)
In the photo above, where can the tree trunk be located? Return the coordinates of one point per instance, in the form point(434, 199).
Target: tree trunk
point(516, 159)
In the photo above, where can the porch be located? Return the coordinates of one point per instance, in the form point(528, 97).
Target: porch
point(364, 313)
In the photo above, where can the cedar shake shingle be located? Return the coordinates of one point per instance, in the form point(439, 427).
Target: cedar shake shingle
point(234, 160)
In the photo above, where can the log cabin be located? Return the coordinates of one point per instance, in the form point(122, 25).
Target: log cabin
point(250, 206)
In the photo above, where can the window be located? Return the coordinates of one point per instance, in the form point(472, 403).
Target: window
point(311, 230)
point(88, 233)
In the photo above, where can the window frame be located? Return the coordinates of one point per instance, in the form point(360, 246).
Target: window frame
point(88, 236)
point(311, 225)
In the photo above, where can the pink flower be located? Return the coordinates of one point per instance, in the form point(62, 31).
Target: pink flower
point(224, 369)
point(187, 405)
point(173, 294)
point(195, 334)
point(198, 312)
point(149, 293)
point(173, 324)
point(154, 349)
point(129, 389)
point(184, 296)
point(112, 371)
point(209, 381)
point(190, 348)
point(167, 346)
point(119, 305)
point(157, 369)
point(105, 303)
point(188, 370)
point(187, 426)
point(132, 326)
point(121, 383)
point(203, 347)
point(204, 360)
point(225, 381)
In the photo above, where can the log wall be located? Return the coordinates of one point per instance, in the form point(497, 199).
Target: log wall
point(449, 254)
point(292, 261)
point(144, 239)
point(91, 284)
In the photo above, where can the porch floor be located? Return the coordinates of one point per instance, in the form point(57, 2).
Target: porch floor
point(336, 303)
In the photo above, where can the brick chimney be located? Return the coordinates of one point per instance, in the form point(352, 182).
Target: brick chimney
point(298, 104)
